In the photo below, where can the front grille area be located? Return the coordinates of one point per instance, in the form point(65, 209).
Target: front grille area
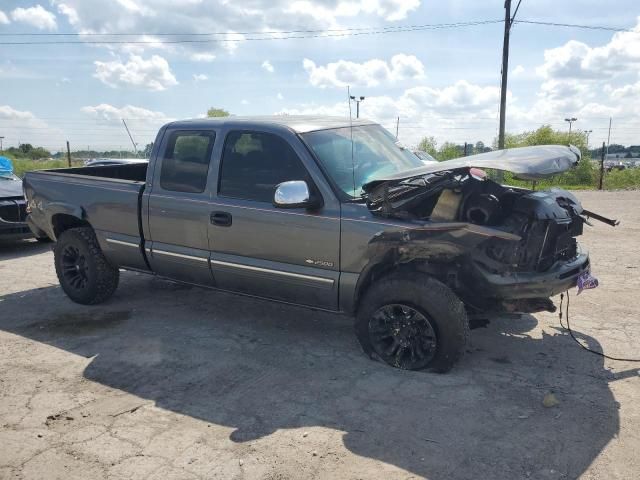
point(544, 242)
point(13, 210)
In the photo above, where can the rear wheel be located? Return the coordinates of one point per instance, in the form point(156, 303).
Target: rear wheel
point(414, 322)
point(84, 273)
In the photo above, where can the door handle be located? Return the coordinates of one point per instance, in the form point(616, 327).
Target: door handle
point(222, 219)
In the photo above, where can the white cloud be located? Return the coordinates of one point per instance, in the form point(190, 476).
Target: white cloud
point(195, 17)
point(35, 16)
point(244, 101)
point(576, 59)
point(519, 70)
point(390, 10)
point(153, 73)
point(202, 57)
point(626, 91)
point(369, 73)
point(279, 96)
point(266, 65)
point(109, 113)
point(200, 77)
point(4, 20)
point(449, 113)
point(25, 127)
point(143, 124)
point(70, 13)
point(9, 113)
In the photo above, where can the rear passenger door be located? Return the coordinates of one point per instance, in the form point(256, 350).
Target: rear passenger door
point(284, 254)
point(178, 207)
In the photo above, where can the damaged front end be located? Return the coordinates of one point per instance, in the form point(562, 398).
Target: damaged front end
point(500, 248)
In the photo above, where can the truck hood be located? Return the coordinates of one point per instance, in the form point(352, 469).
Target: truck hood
point(10, 188)
point(527, 163)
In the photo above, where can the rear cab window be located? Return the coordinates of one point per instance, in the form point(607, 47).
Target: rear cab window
point(185, 161)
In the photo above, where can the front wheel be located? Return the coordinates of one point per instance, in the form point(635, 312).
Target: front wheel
point(414, 322)
point(84, 273)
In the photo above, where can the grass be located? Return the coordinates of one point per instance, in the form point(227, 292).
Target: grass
point(22, 165)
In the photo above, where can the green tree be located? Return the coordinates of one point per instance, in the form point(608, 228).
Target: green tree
point(217, 112)
point(583, 174)
point(449, 150)
point(147, 150)
point(429, 145)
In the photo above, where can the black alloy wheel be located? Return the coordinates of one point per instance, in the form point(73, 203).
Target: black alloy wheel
point(75, 268)
point(403, 336)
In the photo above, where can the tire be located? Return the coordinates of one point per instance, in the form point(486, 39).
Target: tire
point(412, 321)
point(84, 273)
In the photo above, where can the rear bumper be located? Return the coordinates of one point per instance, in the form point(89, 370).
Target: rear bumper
point(520, 285)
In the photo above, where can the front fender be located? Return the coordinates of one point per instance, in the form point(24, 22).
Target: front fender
point(436, 247)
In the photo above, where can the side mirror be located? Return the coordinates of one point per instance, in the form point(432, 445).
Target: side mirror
point(294, 194)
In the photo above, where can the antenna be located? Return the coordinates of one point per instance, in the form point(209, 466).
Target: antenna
point(135, 148)
point(353, 164)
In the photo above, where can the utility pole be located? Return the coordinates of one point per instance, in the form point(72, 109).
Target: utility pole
point(397, 127)
point(508, 20)
point(68, 154)
point(1, 138)
point(135, 148)
point(609, 136)
point(601, 168)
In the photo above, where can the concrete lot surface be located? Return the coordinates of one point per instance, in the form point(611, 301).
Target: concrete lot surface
point(166, 381)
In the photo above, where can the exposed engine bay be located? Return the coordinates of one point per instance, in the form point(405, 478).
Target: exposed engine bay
point(543, 225)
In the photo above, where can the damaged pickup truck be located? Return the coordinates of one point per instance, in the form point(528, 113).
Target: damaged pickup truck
point(326, 213)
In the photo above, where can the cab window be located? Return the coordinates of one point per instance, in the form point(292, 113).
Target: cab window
point(185, 162)
point(254, 163)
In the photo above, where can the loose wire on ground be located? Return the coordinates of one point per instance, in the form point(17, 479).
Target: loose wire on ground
point(568, 328)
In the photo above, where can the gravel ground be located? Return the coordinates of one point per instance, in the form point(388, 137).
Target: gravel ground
point(166, 381)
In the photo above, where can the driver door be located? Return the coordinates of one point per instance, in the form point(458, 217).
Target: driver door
point(284, 254)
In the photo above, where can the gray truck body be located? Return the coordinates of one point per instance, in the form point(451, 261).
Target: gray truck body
point(323, 257)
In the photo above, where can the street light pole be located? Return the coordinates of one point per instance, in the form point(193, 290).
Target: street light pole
point(587, 133)
point(357, 100)
point(570, 120)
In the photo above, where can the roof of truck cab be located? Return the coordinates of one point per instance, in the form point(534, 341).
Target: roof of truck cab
point(297, 123)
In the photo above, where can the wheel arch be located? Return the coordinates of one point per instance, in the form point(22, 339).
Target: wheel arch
point(444, 271)
point(64, 217)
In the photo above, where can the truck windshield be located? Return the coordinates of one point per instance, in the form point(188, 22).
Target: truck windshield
point(376, 155)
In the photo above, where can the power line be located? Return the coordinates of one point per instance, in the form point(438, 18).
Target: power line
point(275, 34)
point(576, 25)
point(254, 32)
point(322, 34)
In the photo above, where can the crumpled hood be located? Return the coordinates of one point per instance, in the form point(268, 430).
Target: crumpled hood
point(527, 163)
point(10, 188)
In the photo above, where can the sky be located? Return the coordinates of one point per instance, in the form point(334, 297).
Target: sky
point(441, 82)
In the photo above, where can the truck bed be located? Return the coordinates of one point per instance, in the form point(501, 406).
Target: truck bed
point(136, 172)
point(106, 197)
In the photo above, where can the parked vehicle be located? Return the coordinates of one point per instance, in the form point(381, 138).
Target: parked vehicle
point(425, 157)
point(101, 162)
point(326, 213)
point(13, 212)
